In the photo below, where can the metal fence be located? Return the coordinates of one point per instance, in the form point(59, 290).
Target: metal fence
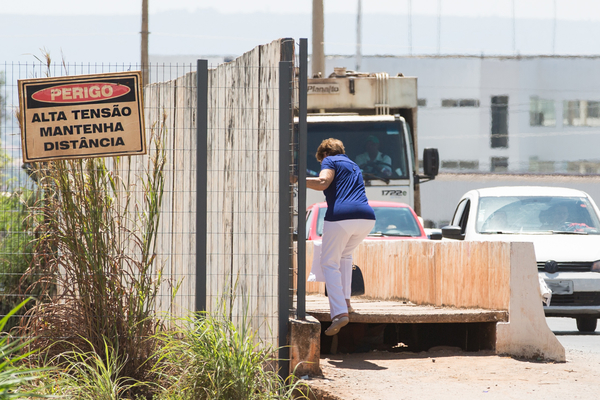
point(228, 146)
point(20, 190)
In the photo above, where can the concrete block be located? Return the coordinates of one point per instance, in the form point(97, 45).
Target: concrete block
point(526, 334)
point(305, 346)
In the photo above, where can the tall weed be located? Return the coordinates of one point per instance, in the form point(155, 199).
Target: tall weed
point(209, 358)
point(96, 226)
point(14, 374)
point(91, 376)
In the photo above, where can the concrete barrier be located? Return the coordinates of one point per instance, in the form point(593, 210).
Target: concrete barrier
point(526, 334)
point(486, 275)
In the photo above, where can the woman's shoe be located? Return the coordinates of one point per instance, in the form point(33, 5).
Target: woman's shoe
point(336, 325)
point(350, 309)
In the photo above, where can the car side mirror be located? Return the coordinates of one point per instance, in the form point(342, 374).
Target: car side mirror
point(453, 232)
point(431, 162)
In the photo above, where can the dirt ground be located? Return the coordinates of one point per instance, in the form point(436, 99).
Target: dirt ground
point(449, 373)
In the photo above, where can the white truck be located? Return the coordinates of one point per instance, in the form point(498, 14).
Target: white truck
point(376, 114)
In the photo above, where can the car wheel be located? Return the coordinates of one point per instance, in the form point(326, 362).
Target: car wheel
point(586, 324)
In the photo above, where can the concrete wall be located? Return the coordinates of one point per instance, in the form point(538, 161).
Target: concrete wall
point(242, 152)
point(242, 200)
point(474, 274)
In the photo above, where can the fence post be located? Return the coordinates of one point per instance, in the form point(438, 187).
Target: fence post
point(201, 181)
point(285, 210)
point(302, 155)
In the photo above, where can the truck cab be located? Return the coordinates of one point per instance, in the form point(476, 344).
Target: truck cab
point(374, 115)
point(389, 177)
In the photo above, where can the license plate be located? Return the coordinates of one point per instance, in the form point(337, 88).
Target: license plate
point(560, 287)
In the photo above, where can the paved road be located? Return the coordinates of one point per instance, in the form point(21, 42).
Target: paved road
point(566, 331)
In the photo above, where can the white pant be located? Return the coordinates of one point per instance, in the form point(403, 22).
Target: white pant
point(340, 238)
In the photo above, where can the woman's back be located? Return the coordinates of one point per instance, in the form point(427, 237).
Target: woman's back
point(346, 197)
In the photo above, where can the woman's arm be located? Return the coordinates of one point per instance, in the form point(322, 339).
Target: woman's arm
point(321, 182)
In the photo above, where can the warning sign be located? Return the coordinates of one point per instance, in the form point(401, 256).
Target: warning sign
point(82, 116)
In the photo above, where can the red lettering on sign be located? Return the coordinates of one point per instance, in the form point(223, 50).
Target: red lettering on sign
point(81, 92)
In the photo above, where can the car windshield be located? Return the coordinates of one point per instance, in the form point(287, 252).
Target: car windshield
point(377, 147)
point(390, 221)
point(536, 214)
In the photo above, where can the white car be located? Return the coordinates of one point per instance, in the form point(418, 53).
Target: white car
point(564, 226)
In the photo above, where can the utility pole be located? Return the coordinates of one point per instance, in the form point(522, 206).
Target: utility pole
point(358, 37)
point(144, 42)
point(554, 31)
point(439, 27)
point(409, 28)
point(514, 26)
point(318, 39)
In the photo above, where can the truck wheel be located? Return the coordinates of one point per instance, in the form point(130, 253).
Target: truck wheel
point(586, 324)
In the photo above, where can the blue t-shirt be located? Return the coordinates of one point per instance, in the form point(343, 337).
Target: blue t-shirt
point(346, 197)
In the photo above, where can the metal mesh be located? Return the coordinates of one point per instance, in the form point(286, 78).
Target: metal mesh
point(174, 240)
point(243, 190)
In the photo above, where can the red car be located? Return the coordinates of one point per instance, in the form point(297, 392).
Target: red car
point(394, 221)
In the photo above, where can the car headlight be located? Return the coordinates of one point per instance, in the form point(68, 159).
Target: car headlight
point(596, 266)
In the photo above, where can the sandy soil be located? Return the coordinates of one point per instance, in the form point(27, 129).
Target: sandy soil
point(449, 373)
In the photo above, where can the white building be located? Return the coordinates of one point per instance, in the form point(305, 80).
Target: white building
point(535, 114)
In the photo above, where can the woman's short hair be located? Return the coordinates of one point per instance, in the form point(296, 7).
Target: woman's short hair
point(330, 146)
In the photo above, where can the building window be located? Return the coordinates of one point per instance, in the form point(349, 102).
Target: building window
point(422, 102)
point(499, 164)
point(449, 103)
point(499, 124)
point(593, 110)
point(581, 113)
point(583, 167)
point(468, 103)
point(460, 103)
point(540, 166)
point(464, 165)
point(541, 112)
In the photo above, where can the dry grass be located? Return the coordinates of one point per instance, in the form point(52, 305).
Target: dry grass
point(95, 258)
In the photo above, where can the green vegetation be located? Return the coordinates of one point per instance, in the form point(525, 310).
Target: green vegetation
point(89, 376)
point(209, 358)
point(14, 373)
point(212, 359)
point(16, 238)
point(16, 251)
